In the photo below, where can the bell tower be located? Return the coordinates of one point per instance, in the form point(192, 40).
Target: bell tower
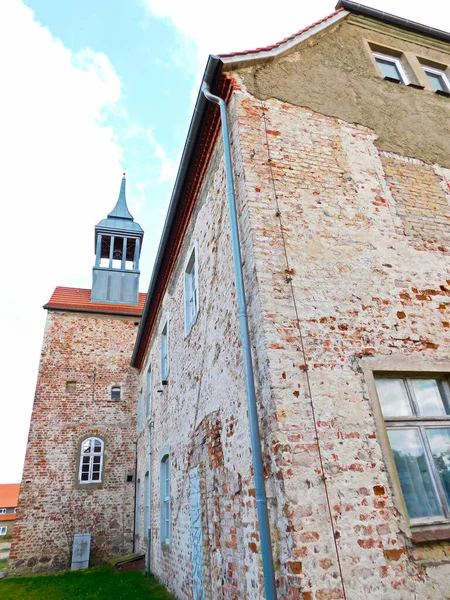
point(118, 241)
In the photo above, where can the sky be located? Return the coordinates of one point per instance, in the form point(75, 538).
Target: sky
point(89, 89)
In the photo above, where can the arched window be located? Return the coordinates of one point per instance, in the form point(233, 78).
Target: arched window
point(91, 460)
point(165, 497)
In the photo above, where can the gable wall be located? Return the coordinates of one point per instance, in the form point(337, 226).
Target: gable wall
point(334, 73)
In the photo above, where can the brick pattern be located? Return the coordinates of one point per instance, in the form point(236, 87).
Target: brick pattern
point(94, 351)
point(422, 199)
point(318, 195)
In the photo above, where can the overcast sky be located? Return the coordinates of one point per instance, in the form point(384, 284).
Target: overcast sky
point(90, 88)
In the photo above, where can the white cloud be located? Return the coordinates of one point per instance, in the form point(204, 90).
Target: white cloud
point(168, 167)
point(241, 25)
point(61, 169)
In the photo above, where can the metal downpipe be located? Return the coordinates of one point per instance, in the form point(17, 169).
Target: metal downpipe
point(261, 499)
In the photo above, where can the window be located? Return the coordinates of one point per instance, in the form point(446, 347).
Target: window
point(146, 504)
point(3, 530)
point(115, 392)
point(438, 79)
point(416, 412)
point(165, 499)
point(391, 68)
point(140, 424)
point(71, 386)
point(191, 289)
point(137, 521)
point(91, 460)
point(148, 404)
point(2, 511)
point(165, 351)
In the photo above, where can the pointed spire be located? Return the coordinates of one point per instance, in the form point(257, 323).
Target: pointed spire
point(121, 211)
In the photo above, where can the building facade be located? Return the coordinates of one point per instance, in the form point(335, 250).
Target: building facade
point(340, 158)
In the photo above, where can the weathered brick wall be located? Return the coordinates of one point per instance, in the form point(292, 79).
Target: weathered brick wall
point(351, 263)
point(94, 351)
point(202, 414)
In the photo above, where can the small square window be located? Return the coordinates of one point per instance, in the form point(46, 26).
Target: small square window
point(391, 68)
point(3, 530)
point(71, 386)
point(438, 79)
point(115, 392)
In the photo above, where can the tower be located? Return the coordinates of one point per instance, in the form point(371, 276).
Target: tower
point(80, 461)
point(118, 241)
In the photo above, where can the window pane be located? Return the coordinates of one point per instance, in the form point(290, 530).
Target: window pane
point(393, 397)
point(428, 397)
point(84, 476)
point(437, 81)
point(440, 447)
point(389, 68)
point(98, 447)
point(97, 460)
point(86, 446)
point(414, 474)
point(95, 476)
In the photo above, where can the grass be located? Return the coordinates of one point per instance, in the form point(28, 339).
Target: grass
point(98, 583)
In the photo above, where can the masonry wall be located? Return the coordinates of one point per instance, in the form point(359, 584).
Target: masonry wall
point(92, 350)
point(201, 414)
point(352, 263)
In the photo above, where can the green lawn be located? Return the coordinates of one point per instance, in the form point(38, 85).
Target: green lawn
point(99, 583)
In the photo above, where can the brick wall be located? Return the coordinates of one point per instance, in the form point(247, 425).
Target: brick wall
point(94, 352)
point(344, 274)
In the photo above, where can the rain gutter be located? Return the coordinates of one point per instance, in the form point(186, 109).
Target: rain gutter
point(255, 440)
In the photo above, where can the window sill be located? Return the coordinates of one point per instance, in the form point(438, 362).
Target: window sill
point(165, 547)
point(416, 86)
point(434, 533)
point(442, 93)
point(393, 80)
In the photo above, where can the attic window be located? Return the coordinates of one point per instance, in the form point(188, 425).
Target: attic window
point(71, 386)
point(115, 392)
point(391, 68)
point(438, 79)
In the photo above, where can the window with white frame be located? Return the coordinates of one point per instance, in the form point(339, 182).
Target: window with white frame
point(146, 504)
point(2, 511)
point(140, 408)
point(91, 460)
point(148, 403)
point(416, 411)
point(191, 289)
point(3, 530)
point(438, 79)
point(165, 499)
point(391, 67)
point(165, 351)
point(115, 392)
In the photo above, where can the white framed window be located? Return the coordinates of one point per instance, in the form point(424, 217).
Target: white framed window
point(140, 408)
point(91, 460)
point(2, 511)
point(146, 504)
point(391, 67)
point(137, 521)
point(165, 497)
point(148, 403)
point(3, 530)
point(191, 302)
point(165, 350)
point(416, 412)
point(438, 79)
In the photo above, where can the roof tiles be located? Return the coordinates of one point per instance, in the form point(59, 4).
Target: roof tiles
point(79, 300)
point(291, 37)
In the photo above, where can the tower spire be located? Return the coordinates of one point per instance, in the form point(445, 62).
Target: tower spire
point(120, 210)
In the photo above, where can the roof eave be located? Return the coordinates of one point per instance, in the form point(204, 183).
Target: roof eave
point(92, 311)
point(212, 72)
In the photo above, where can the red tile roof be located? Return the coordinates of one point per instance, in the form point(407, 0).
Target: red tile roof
point(79, 300)
point(291, 37)
point(9, 498)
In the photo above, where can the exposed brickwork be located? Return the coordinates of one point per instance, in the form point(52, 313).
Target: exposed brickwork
point(422, 199)
point(93, 351)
